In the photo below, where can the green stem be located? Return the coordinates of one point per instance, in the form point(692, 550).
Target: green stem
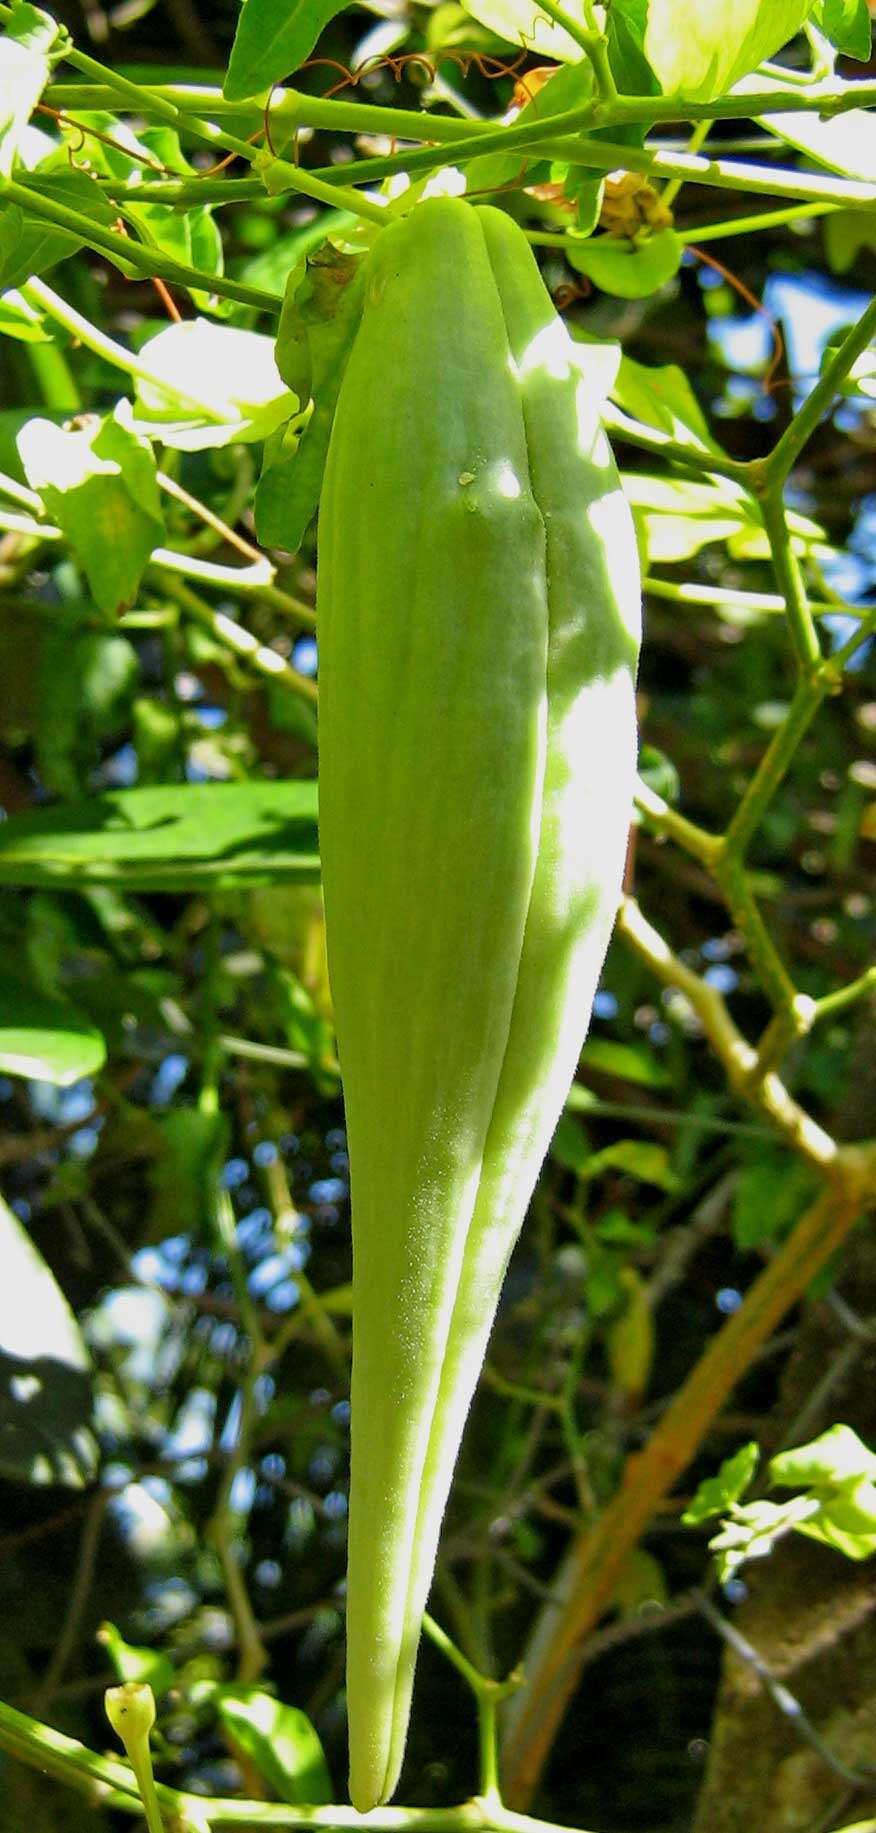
point(60, 1756)
point(667, 821)
point(126, 252)
point(211, 1049)
point(488, 1695)
point(790, 579)
point(469, 139)
point(596, 47)
point(693, 593)
point(832, 1003)
point(263, 1053)
point(311, 1309)
point(183, 99)
point(281, 175)
point(600, 155)
point(824, 99)
point(776, 760)
point(700, 134)
point(751, 225)
point(183, 191)
point(220, 1528)
point(74, 1764)
point(768, 965)
point(250, 581)
point(590, 40)
point(693, 458)
point(785, 453)
point(241, 642)
point(51, 303)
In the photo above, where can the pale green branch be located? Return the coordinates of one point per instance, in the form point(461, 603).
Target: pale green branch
point(785, 453)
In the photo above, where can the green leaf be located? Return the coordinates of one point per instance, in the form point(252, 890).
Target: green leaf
point(847, 144)
point(272, 40)
point(677, 516)
point(751, 1533)
point(630, 1062)
point(29, 247)
point(625, 26)
point(629, 270)
point(846, 234)
point(772, 1190)
point(638, 1158)
point(31, 44)
point(847, 24)
point(43, 1038)
point(318, 323)
point(570, 1145)
point(146, 1666)
point(698, 51)
point(99, 485)
point(846, 1522)
point(230, 372)
point(837, 1457)
point(701, 51)
point(178, 838)
point(20, 320)
point(189, 236)
point(718, 1493)
point(861, 378)
point(185, 1172)
point(659, 773)
point(86, 680)
point(280, 1740)
point(272, 266)
point(521, 22)
point(661, 396)
point(45, 1372)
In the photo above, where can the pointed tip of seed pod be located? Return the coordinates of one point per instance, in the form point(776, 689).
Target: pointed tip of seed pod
point(365, 1792)
point(374, 1774)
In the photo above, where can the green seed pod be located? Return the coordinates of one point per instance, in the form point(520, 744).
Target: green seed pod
point(478, 605)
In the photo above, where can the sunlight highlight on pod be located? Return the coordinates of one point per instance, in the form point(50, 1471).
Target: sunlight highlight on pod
point(478, 610)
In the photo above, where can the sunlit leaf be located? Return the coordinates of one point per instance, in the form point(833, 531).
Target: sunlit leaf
point(280, 1740)
point(661, 396)
point(99, 484)
point(45, 1372)
point(846, 1522)
point(716, 1494)
point(45, 1038)
point(216, 383)
point(629, 1062)
point(146, 1666)
point(845, 144)
point(838, 1456)
point(20, 320)
point(702, 51)
point(31, 43)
